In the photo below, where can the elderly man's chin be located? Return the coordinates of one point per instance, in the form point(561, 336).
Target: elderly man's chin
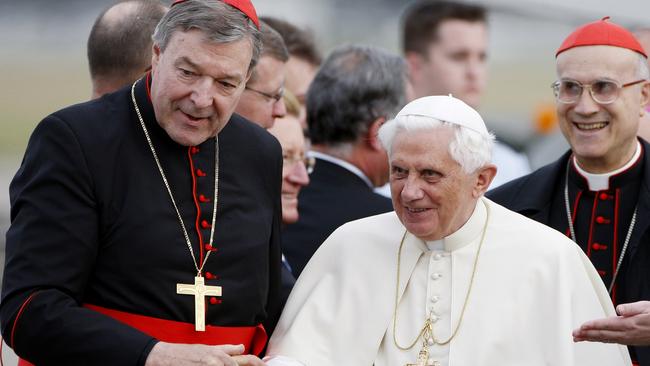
point(425, 224)
point(187, 135)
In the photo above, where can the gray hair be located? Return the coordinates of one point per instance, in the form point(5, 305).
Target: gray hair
point(355, 86)
point(220, 23)
point(470, 149)
point(642, 71)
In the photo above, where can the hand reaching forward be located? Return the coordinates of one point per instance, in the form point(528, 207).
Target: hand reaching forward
point(170, 354)
point(630, 327)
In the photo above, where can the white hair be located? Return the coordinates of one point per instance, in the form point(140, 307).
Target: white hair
point(469, 148)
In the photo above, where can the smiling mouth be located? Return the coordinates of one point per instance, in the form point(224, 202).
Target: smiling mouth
point(416, 210)
point(193, 118)
point(590, 126)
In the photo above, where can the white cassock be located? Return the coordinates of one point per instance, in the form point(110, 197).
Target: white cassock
point(532, 287)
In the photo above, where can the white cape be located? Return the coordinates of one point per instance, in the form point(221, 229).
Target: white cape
point(533, 286)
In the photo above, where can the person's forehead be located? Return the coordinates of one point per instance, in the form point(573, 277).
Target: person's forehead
point(269, 71)
point(231, 58)
point(597, 61)
point(289, 132)
point(300, 67)
point(451, 31)
point(422, 144)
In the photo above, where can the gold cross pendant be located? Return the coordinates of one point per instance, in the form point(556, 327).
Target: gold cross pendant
point(200, 291)
point(423, 357)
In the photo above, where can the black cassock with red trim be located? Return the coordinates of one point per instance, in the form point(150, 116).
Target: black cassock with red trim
point(601, 221)
point(92, 223)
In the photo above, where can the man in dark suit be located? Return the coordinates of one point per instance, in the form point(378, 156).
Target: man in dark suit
point(354, 92)
point(598, 192)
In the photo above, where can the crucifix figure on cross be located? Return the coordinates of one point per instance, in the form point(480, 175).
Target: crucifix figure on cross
point(200, 291)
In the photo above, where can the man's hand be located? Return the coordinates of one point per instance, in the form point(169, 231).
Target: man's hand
point(631, 327)
point(170, 354)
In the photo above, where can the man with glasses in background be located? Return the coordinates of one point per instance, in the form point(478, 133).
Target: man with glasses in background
point(598, 193)
point(261, 102)
point(354, 92)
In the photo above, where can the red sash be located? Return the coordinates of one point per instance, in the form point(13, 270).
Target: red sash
point(253, 338)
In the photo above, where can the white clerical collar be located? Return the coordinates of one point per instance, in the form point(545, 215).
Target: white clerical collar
point(466, 234)
point(342, 164)
point(600, 182)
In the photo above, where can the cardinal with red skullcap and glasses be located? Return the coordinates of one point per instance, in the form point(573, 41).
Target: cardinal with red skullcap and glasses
point(145, 224)
point(598, 193)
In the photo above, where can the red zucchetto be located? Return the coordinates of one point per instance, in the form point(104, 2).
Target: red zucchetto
point(245, 6)
point(602, 33)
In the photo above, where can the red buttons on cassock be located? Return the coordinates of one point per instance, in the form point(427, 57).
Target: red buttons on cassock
point(602, 220)
point(210, 248)
point(200, 173)
point(209, 275)
point(214, 301)
point(194, 150)
point(598, 246)
point(204, 199)
point(205, 224)
point(601, 272)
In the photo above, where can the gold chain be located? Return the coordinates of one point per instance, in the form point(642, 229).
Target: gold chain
point(199, 270)
point(428, 326)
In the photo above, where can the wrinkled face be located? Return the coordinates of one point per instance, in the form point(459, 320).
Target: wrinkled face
point(432, 196)
point(294, 174)
point(262, 101)
point(602, 136)
point(196, 85)
point(456, 63)
point(300, 74)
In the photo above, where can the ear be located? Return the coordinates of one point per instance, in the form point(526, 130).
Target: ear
point(372, 136)
point(249, 74)
point(414, 61)
point(645, 94)
point(484, 177)
point(155, 56)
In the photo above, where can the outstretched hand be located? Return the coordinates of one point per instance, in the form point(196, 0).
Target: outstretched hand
point(170, 354)
point(630, 327)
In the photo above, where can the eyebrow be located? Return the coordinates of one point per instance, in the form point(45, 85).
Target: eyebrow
point(225, 76)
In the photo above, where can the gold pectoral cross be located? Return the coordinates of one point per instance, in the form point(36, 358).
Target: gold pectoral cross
point(200, 291)
point(423, 357)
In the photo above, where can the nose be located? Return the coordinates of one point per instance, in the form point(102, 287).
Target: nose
point(298, 174)
point(474, 67)
point(411, 190)
point(586, 105)
point(279, 109)
point(202, 93)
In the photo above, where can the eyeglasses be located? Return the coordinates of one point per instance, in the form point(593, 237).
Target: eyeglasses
point(269, 97)
point(602, 91)
point(309, 161)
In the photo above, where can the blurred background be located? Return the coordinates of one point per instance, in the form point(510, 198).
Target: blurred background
point(43, 63)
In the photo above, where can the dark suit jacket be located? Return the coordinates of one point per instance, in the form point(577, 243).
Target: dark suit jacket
point(532, 195)
point(333, 197)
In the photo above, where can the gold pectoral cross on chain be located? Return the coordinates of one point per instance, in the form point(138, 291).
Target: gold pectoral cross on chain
point(423, 357)
point(200, 291)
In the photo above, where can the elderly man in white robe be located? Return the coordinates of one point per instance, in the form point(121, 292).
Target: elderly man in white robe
point(449, 278)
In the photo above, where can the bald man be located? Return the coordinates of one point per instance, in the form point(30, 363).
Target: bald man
point(119, 45)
